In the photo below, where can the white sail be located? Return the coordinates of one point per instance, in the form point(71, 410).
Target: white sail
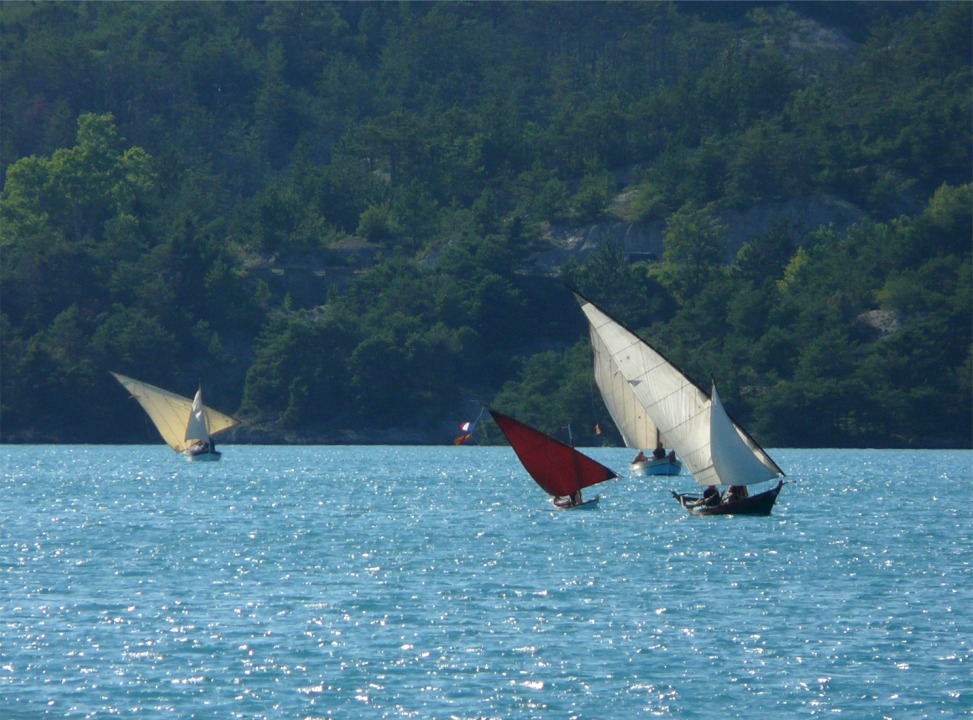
point(170, 413)
point(637, 429)
point(678, 408)
point(196, 429)
point(734, 458)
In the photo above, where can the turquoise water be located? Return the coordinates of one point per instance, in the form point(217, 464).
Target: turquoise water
point(404, 582)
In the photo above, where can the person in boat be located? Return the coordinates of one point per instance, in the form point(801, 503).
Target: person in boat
point(659, 452)
point(568, 501)
point(640, 457)
point(672, 456)
point(736, 493)
point(711, 498)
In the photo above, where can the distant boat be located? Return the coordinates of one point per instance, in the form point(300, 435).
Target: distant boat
point(186, 425)
point(559, 469)
point(630, 417)
point(668, 465)
point(716, 450)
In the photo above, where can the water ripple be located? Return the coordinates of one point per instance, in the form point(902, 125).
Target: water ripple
point(437, 583)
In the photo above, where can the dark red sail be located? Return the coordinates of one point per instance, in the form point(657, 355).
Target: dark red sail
point(557, 467)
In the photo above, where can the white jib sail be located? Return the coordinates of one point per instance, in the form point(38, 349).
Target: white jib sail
point(733, 456)
point(196, 429)
point(170, 412)
point(679, 409)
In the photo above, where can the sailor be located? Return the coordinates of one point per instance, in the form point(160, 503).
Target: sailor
point(711, 498)
point(659, 452)
point(737, 492)
point(566, 501)
point(640, 457)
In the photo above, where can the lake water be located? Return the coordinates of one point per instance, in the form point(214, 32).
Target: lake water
point(416, 582)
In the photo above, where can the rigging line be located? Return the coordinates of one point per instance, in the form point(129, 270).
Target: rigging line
point(598, 416)
point(591, 395)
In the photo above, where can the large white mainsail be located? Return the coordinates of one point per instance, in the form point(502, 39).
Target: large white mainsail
point(173, 415)
point(631, 419)
point(680, 409)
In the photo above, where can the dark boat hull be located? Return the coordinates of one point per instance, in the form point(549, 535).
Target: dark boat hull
point(760, 504)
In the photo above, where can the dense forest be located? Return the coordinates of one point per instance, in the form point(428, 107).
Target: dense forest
point(332, 214)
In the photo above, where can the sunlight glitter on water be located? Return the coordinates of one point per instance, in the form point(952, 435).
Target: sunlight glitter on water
point(303, 582)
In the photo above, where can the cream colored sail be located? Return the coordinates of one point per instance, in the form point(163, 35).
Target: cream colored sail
point(173, 414)
point(679, 408)
point(631, 419)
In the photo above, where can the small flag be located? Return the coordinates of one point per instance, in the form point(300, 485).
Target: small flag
point(467, 429)
point(597, 429)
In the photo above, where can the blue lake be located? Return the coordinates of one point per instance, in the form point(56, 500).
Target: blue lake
point(417, 582)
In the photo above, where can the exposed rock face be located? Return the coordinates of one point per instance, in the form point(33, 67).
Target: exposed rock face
point(885, 322)
point(645, 240)
point(307, 276)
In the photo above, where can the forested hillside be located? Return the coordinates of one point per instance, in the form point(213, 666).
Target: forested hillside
point(331, 215)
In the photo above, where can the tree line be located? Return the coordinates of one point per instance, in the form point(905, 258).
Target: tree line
point(161, 162)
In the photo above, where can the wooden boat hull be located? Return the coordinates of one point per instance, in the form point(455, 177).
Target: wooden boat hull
point(586, 505)
point(760, 504)
point(665, 466)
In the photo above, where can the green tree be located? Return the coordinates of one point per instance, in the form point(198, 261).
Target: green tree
point(695, 248)
point(300, 375)
point(55, 213)
point(555, 391)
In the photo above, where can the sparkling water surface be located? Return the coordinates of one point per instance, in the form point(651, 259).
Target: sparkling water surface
point(417, 582)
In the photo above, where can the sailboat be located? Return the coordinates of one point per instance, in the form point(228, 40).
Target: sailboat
point(559, 469)
point(715, 449)
point(187, 426)
point(633, 422)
